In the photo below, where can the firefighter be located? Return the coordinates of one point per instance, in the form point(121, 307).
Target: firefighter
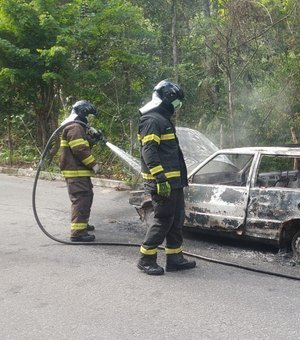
point(77, 165)
point(165, 175)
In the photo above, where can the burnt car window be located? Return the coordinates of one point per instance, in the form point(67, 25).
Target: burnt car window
point(278, 171)
point(225, 169)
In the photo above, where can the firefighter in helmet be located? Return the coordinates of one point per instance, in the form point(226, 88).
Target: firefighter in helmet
point(165, 175)
point(77, 165)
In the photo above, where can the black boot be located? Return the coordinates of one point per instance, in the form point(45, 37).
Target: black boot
point(90, 227)
point(84, 237)
point(178, 262)
point(147, 263)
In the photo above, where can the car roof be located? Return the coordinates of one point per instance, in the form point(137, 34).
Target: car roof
point(271, 150)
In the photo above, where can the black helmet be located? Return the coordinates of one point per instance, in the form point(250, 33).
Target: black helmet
point(168, 91)
point(83, 108)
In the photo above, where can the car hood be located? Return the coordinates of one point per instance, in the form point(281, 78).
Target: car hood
point(195, 146)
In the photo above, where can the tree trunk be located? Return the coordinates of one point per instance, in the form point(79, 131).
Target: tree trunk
point(41, 123)
point(47, 122)
point(206, 8)
point(174, 40)
point(221, 137)
point(230, 110)
point(10, 142)
point(175, 49)
point(295, 141)
point(132, 138)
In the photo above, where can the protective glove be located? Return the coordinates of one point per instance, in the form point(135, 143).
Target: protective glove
point(97, 135)
point(96, 168)
point(163, 189)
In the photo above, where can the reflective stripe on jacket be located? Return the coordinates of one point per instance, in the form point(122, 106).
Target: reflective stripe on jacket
point(76, 158)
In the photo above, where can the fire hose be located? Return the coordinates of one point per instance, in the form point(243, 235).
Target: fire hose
point(199, 257)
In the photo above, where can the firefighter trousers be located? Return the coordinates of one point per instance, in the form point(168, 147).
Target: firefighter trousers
point(81, 194)
point(165, 222)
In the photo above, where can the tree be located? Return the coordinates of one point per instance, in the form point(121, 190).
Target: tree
point(110, 47)
point(29, 33)
point(234, 37)
point(237, 61)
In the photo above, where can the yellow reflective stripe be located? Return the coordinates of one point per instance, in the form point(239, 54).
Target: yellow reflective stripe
point(168, 136)
point(148, 251)
point(156, 169)
point(147, 176)
point(172, 174)
point(139, 136)
point(77, 173)
point(88, 160)
point(150, 138)
point(170, 251)
point(77, 142)
point(63, 142)
point(78, 226)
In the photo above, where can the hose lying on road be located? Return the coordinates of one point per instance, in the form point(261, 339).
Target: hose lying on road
point(47, 147)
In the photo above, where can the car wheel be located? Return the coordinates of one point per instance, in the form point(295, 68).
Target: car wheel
point(296, 245)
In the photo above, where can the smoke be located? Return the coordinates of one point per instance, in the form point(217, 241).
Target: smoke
point(263, 116)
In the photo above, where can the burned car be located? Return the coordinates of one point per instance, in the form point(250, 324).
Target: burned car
point(248, 193)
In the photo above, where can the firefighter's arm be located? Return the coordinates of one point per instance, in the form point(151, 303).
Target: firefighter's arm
point(80, 146)
point(150, 140)
point(96, 135)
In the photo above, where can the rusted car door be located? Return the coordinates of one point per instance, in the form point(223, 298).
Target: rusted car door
point(217, 196)
point(274, 197)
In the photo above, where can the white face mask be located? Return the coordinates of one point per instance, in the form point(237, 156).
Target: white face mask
point(177, 104)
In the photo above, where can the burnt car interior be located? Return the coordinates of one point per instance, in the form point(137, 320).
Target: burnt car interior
point(233, 170)
point(278, 171)
point(225, 169)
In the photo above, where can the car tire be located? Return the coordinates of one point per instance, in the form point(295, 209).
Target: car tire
point(296, 245)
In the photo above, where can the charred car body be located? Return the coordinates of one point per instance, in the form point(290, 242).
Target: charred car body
point(245, 192)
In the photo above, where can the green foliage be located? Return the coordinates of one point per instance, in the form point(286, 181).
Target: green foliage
point(237, 61)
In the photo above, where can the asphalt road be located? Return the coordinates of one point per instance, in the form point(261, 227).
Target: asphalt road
point(53, 291)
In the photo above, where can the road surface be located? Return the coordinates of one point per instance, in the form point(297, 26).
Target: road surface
point(54, 291)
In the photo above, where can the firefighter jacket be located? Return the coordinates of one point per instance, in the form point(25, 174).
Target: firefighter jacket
point(161, 156)
point(76, 159)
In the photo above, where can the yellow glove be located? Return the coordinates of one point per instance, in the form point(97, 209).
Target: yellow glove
point(163, 189)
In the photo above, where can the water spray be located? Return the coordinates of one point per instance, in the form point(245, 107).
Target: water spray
point(130, 160)
point(135, 165)
point(97, 134)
